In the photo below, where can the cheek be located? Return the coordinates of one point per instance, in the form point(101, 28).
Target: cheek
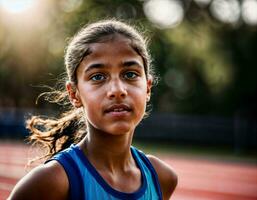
point(91, 100)
point(89, 94)
point(140, 98)
point(92, 109)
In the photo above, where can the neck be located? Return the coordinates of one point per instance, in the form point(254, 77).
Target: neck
point(105, 150)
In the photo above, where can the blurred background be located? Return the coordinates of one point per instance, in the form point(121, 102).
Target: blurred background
point(204, 52)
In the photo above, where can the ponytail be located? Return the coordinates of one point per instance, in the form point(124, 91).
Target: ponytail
point(55, 135)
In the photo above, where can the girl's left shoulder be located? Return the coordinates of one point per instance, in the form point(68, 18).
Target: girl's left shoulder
point(167, 177)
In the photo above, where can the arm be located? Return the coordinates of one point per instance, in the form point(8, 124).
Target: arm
point(167, 177)
point(48, 181)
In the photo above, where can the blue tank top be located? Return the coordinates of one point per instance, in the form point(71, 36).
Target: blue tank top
point(85, 183)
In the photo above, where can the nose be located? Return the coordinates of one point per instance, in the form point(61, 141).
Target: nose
point(117, 89)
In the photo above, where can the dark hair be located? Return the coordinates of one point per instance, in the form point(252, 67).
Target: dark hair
point(58, 133)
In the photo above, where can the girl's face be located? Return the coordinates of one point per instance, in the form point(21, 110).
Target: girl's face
point(112, 87)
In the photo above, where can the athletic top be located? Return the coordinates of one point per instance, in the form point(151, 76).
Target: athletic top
point(85, 183)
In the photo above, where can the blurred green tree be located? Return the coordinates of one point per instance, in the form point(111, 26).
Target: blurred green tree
point(205, 66)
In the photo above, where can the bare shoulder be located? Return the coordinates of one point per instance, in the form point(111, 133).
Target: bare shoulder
point(47, 181)
point(166, 174)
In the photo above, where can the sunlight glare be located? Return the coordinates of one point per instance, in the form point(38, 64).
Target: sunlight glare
point(16, 6)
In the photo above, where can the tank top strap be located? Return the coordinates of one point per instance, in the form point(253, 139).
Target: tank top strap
point(142, 158)
point(74, 176)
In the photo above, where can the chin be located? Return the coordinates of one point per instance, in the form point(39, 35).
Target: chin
point(120, 129)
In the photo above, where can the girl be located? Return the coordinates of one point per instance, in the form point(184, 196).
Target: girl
point(91, 157)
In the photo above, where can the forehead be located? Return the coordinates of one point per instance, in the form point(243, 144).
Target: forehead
point(116, 48)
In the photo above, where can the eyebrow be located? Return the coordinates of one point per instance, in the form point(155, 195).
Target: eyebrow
point(131, 63)
point(94, 66)
point(99, 65)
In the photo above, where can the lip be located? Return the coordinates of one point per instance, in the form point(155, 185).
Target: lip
point(118, 108)
point(118, 111)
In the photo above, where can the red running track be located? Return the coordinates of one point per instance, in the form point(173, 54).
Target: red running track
point(199, 179)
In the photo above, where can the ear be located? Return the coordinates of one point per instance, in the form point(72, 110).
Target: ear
point(73, 94)
point(149, 87)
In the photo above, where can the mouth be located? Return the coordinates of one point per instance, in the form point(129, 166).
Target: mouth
point(118, 108)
